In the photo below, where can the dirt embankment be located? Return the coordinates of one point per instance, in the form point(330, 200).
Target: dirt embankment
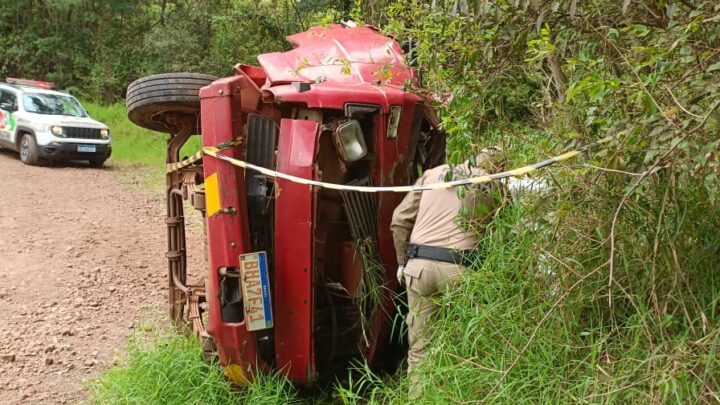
point(81, 265)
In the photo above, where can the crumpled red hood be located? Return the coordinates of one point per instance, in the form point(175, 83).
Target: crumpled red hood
point(334, 53)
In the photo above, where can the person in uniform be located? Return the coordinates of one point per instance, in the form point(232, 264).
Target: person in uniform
point(435, 234)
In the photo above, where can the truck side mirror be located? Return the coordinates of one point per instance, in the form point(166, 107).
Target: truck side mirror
point(349, 141)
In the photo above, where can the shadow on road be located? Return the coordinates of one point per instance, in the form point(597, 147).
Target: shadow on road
point(78, 164)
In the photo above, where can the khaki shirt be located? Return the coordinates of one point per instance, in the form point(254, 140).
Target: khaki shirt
point(432, 217)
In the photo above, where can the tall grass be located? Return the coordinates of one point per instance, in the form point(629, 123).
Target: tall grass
point(170, 369)
point(543, 319)
point(371, 287)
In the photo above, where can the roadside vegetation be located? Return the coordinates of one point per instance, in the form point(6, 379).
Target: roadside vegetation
point(164, 368)
point(112, 43)
point(603, 288)
point(131, 144)
point(134, 146)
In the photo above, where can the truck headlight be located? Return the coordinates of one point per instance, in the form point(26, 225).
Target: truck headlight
point(105, 134)
point(349, 141)
point(56, 130)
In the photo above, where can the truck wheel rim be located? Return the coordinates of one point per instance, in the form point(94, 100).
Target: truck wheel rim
point(24, 149)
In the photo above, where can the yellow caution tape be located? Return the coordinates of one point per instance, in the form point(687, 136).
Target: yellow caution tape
point(173, 167)
point(214, 152)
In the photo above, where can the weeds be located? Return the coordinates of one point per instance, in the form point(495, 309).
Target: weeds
point(371, 289)
point(537, 328)
point(362, 386)
point(170, 369)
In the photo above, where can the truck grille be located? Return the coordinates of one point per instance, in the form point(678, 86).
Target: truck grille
point(82, 133)
point(260, 148)
point(260, 151)
point(361, 210)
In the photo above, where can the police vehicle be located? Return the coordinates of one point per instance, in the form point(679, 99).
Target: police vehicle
point(44, 124)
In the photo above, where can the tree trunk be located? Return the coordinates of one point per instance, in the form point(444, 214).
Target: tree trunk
point(558, 75)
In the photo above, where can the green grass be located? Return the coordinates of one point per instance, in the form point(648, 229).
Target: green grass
point(525, 327)
point(170, 369)
point(134, 146)
point(371, 288)
point(166, 368)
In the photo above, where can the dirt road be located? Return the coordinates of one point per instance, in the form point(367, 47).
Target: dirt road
point(81, 264)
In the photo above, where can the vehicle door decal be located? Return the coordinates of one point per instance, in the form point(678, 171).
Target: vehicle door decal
point(7, 125)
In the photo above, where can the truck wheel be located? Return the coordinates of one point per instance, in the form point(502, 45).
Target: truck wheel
point(28, 150)
point(148, 98)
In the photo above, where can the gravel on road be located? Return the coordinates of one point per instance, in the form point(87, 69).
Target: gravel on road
point(82, 264)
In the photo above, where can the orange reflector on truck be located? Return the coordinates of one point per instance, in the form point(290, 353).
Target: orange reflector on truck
point(212, 195)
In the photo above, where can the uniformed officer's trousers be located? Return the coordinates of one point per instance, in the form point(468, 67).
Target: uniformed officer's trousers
point(424, 280)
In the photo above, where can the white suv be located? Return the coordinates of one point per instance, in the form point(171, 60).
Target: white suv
point(41, 123)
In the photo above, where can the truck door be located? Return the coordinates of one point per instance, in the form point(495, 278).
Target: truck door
point(8, 106)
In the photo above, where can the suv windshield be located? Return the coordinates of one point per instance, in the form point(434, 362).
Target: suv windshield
point(53, 104)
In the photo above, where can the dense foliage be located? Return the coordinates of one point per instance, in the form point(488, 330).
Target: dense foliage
point(162, 368)
point(605, 287)
point(95, 48)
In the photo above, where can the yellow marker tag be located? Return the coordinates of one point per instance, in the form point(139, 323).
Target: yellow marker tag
point(235, 373)
point(212, 195)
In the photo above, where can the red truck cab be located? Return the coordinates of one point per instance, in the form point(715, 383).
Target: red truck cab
point(300, 278)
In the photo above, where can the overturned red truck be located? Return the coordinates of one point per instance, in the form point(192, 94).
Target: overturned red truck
point(300, 278)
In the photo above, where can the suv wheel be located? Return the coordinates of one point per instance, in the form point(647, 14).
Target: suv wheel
point(98, 163)
point(28, 150)
point(149, 98)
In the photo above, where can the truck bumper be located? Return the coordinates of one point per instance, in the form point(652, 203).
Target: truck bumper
point(69, 151)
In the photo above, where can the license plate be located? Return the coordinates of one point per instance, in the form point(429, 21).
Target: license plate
point(256, 291)
point(86, 148)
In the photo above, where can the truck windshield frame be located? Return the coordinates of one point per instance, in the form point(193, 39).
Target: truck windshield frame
point(53, 104)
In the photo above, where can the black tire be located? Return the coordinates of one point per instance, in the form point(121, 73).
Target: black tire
point(149, 97)
point(28, 150)
point(97, 163)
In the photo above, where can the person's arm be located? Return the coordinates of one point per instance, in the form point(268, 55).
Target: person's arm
point(403, 220)
point(481, 203)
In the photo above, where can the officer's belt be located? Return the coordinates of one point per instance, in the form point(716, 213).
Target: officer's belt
point(440, 254)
